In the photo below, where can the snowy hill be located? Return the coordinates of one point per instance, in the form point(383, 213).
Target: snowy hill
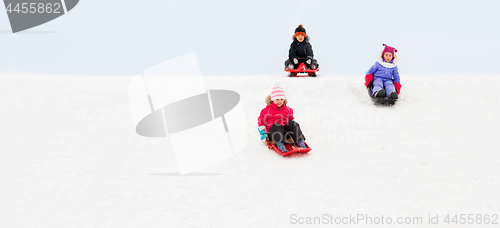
point(70, 156)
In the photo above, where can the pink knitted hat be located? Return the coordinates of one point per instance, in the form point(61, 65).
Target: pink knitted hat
point(389, 49)
point(277, 93)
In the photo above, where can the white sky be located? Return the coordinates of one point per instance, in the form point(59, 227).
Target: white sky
point(253, 37)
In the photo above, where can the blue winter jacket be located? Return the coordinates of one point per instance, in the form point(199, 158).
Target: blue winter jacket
point(383, 69)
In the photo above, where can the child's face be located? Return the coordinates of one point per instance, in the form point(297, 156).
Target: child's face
point(387, 56)
point(300, 37)
point(279, 102)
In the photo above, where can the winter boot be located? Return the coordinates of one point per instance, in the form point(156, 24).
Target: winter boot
point(394, 95)
point(291, 75)
point(379, 93)
point(302, 144)
point(281, 147)
point(313, 74)
point(313, 67)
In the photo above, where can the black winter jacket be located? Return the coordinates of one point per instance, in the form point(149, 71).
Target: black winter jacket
point(300, 49)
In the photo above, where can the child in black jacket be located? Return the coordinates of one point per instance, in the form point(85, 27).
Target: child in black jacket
point(301, 51)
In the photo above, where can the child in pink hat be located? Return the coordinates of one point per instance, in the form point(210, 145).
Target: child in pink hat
point(384, 75)
point(276, 121)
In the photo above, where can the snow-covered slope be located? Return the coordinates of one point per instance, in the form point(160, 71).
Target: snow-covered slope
point(69, 155)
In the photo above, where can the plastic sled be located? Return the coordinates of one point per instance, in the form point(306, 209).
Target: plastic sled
point(292, 149)
point(380, 100)
point(302, 68)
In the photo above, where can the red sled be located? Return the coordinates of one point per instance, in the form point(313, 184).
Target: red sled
point(302, 68)
point(292, 149)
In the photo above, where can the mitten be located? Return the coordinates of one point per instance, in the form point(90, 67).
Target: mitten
point(295, 61)
point(368, 79)
point(262, 132)
point(397, 85)
point(309, 60)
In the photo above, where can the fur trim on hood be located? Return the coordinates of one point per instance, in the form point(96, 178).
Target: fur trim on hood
point(380, 60)
point(269, 102)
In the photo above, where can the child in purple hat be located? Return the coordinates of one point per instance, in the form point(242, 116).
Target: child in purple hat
point(385, 75)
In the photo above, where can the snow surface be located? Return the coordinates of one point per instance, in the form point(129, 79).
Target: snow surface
point(70, 156)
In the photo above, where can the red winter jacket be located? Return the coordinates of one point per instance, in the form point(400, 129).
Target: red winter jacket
point(272, 114)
